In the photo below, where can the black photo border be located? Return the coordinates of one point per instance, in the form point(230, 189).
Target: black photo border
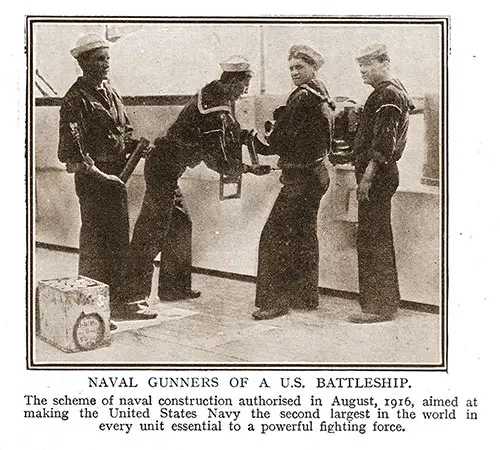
point(442, 21)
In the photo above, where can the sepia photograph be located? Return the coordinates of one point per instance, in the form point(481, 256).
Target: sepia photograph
point(237, 193)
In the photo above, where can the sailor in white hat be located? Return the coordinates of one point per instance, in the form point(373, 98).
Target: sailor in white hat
point(236, 75)
point(287, 270)
point(374, 51)
point(307, 54)
point(235, 63)
point(88, 42)
point(94, 140)
point(304, 63)
point(379, 144)
point(206, 130)
point(92, 53)
point(374, 64)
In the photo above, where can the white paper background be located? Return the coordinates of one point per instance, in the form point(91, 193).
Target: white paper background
point(473, 243)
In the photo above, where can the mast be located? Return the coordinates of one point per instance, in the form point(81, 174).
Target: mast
point(262, 62)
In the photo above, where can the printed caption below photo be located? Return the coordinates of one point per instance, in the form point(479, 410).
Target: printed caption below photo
point(338, 405)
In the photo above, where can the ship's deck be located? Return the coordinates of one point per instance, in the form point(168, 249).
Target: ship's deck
point(218, 328)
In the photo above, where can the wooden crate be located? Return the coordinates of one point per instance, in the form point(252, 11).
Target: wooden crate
point(73, 313)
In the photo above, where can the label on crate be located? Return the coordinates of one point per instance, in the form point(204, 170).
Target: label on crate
point(88, 332)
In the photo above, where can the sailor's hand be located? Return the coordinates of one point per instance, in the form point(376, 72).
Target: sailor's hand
point(259, 169)
point(113, 179)
point(247, 136)
point(147, 150)
point(363, 190)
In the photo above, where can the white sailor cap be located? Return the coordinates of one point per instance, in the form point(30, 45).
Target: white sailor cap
point(372, 52)
point(88, 42)
point(307, 54)
point(235, 63)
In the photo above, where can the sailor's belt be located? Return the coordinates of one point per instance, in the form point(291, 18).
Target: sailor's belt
point(310, 165)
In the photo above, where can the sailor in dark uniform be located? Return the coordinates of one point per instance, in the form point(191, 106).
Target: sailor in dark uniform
point(205, 131)
point(94, 140)
point(288, 260)
point(378, 145)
